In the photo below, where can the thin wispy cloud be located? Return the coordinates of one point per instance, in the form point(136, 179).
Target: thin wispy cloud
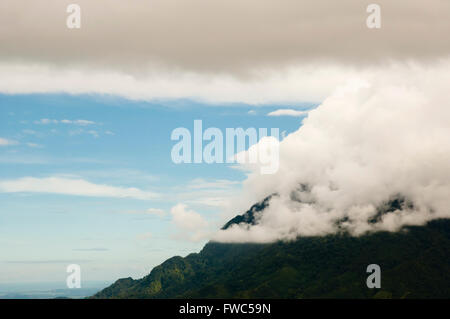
point(30, 132)
point(78, 122)
point(200, 183)
point(124, 175)
point(213, 193)
point(81, 131)
point(210, 201)
point(46, 121)
point(288, 112)
point(68, 186)
point(7, 142)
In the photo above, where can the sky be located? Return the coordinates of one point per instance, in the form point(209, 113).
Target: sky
point(86, 116)
point(70, 159)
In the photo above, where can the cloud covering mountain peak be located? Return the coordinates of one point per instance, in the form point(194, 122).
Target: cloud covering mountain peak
point(381, 137)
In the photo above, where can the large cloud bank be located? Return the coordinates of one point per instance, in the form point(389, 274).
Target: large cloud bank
point(253, 51)
point(230, 36)
point(382, 137)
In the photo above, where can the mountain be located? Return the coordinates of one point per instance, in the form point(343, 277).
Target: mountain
point(249, 217)
point(415, 263)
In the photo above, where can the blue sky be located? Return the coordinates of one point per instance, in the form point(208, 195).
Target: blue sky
point(107, 140)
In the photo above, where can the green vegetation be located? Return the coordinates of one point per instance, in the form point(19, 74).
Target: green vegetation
point(415, 263)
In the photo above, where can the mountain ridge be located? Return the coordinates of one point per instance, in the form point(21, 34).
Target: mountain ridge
point(415, 263)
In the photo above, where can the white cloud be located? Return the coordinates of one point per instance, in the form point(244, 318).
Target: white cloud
point(202, 39)
point(377, 137)
point(46, 121)
point(287, 112)
point(211, 193)
point(241, 68)
point(190, 224)
point(93, 133)
point(78, 122)
point(70, 186)
point(187, 219)
point(263, 155)
point(81, 131)
point(298, 83)
point(210, 201)
point(31, 132)
point(7, 142)
point(199, 183)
